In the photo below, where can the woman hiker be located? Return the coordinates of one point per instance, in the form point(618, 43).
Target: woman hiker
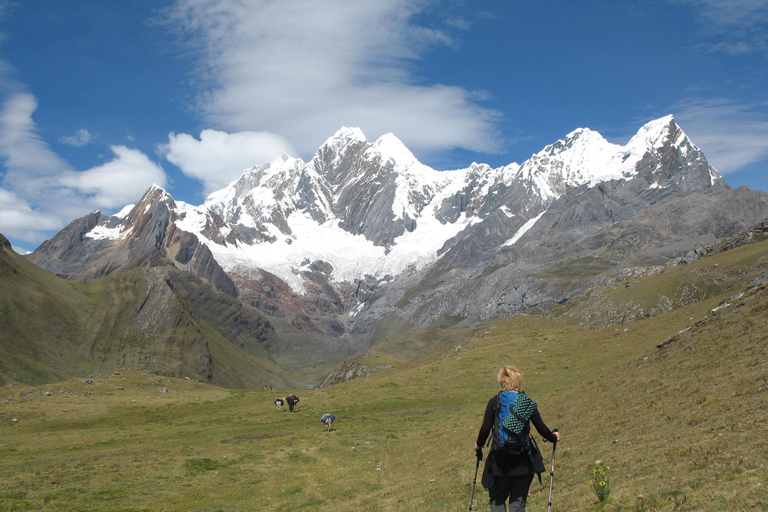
point(509, 467)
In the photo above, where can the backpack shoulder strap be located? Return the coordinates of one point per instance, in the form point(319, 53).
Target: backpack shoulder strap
point(494, 430)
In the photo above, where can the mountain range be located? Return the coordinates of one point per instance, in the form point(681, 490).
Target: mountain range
point(302, 265)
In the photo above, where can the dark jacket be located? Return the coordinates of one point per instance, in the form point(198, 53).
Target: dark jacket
point(511, 465)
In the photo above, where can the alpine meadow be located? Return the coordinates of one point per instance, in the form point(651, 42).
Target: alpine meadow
point(383, 256)
point(142, 353)
point(667, 392)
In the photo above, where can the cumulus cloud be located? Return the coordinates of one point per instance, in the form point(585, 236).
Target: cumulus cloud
point(305, 68)
point(20, 220)
point(732, 135)
point(117, 182)
point(218, 158)
point(40, 191)
point(79, 139)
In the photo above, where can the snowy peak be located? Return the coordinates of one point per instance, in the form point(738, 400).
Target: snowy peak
point(154, 198)
point(381, 193)
point(388, 212)
point(393, 153)
point(657, 132)
point(581, 137)
point(346, 134)
point(584, 157)
point(341, 143)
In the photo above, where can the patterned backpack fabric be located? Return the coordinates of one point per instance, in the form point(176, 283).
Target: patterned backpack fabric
point(513, 422)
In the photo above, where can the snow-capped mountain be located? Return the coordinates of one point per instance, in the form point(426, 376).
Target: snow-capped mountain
point(365, 232)
point(372, 209)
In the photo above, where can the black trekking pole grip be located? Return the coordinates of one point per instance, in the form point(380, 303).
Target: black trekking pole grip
point(554, 447)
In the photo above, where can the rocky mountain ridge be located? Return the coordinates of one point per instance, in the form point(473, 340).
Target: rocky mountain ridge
point(364, 242)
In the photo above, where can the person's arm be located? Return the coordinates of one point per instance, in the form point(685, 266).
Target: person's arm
point(542, 428)
point(485, 429)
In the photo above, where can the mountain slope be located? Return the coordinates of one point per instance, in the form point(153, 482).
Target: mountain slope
point(680, 427)
point(156, 319)
point(364, 242)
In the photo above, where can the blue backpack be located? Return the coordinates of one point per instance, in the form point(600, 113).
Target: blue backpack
point(512, 423)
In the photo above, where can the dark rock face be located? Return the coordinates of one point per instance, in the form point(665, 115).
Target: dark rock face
point(64, 254)
point(148, 236)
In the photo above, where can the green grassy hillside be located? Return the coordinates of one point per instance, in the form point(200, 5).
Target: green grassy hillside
point(680, 427)
point(156, 319)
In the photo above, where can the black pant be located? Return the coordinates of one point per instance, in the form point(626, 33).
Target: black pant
point(514, 488)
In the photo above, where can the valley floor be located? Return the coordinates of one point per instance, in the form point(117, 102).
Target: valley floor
point(680, 427)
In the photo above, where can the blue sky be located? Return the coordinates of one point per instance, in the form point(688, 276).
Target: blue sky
point(98, 100)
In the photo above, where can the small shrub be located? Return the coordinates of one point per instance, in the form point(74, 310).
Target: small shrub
point(202, 465)
point(600, 481)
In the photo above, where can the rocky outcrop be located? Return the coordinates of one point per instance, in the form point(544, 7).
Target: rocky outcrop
point(754, 234)
point(350, 370)
point(96, 246)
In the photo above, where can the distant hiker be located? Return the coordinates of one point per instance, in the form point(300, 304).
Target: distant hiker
point(292, 400)
point(279, 402)
point(514, 456)
point(327, 419)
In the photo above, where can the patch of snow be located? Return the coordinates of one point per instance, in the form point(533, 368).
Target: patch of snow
point(713, 176)
point(105, 233)
point(193, 218)
point(523, 230)
point(352, 256)
point(124, 212)
point(506, 211)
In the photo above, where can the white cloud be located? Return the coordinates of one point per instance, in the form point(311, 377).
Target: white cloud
point(41, 192)
point(741, 23)
point(731, 135)
point(79, 139)
point(219, 158)
point(18, 219)
point(732, 14)
point(118, 182)
point(29, 161)
point(302, 69)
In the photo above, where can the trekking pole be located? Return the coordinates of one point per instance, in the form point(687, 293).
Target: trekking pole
point(474, 482)
point(552, 474)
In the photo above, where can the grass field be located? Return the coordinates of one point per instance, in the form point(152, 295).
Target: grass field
point(682, 428)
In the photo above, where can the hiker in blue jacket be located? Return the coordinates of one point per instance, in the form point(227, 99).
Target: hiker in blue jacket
point(514, 456)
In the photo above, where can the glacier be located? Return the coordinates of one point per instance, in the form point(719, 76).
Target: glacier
point(299, 211)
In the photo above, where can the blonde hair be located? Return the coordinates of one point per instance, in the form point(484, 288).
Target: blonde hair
point(510, 378)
